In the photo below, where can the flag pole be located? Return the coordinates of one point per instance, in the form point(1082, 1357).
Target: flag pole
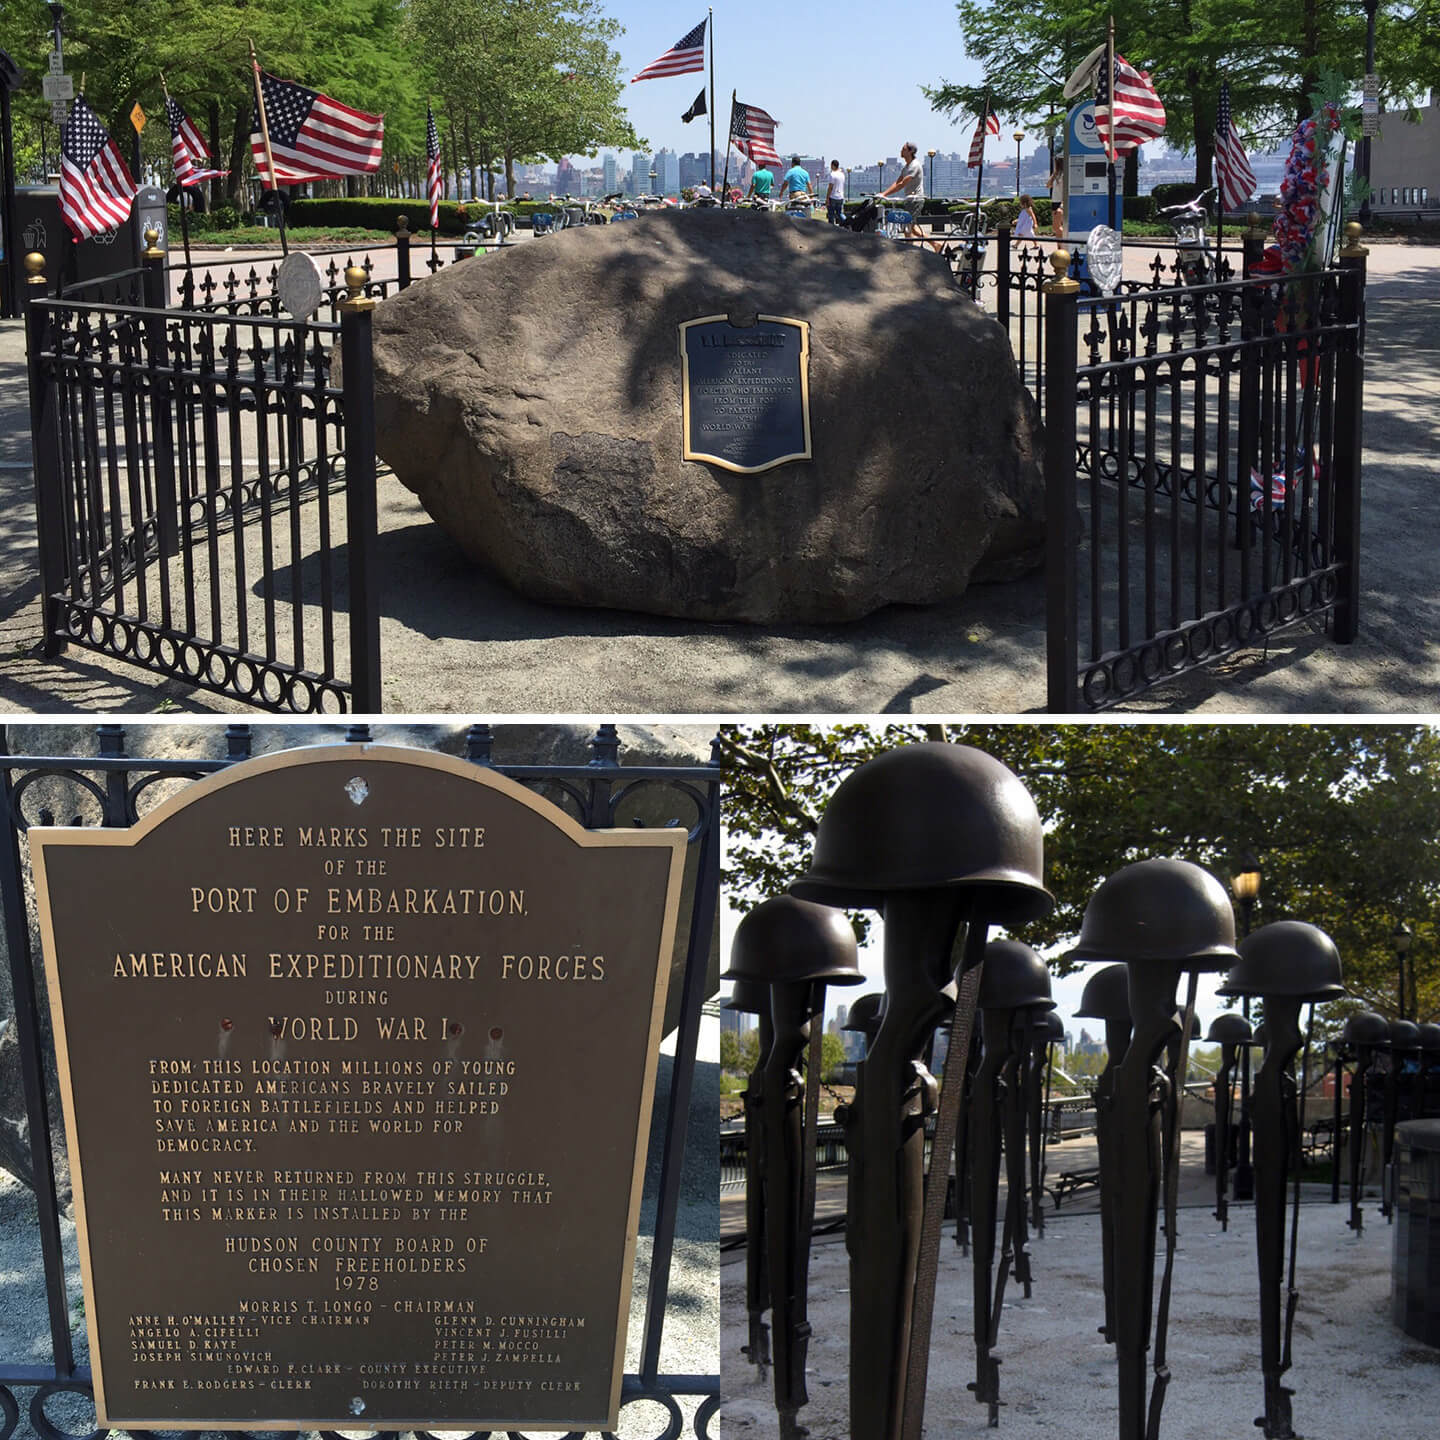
point(184, 223)
point(729, 131)
point(712, 101)
point(269, 156)
point(1219, 205)
point(1110, 116)
point(980, 169)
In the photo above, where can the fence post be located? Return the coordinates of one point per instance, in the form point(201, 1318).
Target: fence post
point(1349, 433)
point(1002, 276)
point(1252, 243)
point(1062, 647)
point(162, 433)
point(402, 250)
point(1247, 439)
point(357, 361)
point(46, 460)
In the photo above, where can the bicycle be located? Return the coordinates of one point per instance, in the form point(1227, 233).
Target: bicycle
point(498, 226)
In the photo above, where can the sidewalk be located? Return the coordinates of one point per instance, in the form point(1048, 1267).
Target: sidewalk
point(455, 639)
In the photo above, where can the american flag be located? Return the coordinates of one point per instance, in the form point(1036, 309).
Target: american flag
point(990, 126)
point(435, 173)
point(96, 191)
point(187, 149)
point(1139, 115)
point(1232, 169)
point(312, 136)
point(682, 57)
point(752, 133)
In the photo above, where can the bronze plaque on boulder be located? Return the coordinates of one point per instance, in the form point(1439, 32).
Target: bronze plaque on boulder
point(357, 1048)
point(746, 391)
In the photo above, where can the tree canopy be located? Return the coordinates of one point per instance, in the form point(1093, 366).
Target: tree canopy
point(1340, 819)
point(514, 79)
point(1273, 58)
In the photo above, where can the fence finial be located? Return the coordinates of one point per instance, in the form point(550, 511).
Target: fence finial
point(402, 226)
point(1061, 284)
point(152, 244)
point(1353, 249)
point(35, 267)
point(357, 299)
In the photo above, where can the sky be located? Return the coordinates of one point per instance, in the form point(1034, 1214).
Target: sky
point(843, 80)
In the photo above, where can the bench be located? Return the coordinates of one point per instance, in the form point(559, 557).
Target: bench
point(1069, 1181)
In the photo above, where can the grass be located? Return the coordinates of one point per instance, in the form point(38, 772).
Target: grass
point(249, 235)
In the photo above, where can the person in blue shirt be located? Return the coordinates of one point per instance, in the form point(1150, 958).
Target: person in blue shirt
point(795, 183)
point(761, 183)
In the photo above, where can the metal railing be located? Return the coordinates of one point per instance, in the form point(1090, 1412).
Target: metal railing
point(196, 475)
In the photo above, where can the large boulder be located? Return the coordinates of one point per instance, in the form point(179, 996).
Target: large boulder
point(532, 400)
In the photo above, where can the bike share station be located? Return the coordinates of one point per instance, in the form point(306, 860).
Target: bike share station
point(1088, 196)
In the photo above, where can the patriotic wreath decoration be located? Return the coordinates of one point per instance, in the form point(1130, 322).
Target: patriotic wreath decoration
point(1307, 174)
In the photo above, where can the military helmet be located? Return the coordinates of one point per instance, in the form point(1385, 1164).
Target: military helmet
point(929, 816)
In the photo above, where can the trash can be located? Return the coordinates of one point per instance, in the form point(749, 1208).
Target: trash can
point(1415, 1266)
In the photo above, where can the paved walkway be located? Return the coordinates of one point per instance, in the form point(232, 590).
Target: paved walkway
point(456, 640)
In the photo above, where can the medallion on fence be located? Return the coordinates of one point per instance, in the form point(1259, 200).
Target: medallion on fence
point(746, 391)
point(357, 1050)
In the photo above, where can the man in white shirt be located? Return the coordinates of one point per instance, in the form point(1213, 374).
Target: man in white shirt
point(835, 194)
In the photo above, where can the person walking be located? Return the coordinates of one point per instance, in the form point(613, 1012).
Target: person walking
point(795, 183)
point(1025, 223)
point(1057, 201)
point(910, 187)
point(835, 195)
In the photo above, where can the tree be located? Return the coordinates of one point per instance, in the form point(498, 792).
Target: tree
point(1272, 57)
point(1340, 818)
point(832, 1054)
point(522, 79)
point(350, 49)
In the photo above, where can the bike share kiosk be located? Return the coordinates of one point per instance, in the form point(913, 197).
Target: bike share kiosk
point(1087, 197)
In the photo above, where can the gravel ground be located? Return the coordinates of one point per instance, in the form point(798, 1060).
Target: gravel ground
point(1356, 1375)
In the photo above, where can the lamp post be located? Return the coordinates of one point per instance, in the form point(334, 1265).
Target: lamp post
point(1019, 136)
point(1245, 886)
point(881, 166)
point(931, 154)
point(1401, 939)
point(653, 174)
point(1362, 158)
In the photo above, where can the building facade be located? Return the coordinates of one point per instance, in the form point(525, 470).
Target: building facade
point(1405, 163)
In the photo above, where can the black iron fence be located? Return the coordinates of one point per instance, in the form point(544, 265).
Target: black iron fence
point(114, 790)
point(206, 493)
point(1202, 473)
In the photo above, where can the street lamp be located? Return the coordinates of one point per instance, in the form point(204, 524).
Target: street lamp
point(1402, 937)
point(931, 154)
point(1245, 886)
point(653, 174)
point(1019, 136)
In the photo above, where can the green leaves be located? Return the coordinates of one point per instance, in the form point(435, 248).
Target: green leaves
point(1340, 818)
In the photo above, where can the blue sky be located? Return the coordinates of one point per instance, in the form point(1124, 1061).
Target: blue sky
point(842, 79)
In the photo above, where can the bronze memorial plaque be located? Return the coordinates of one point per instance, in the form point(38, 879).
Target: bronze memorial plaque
point(745, 391)
point(357, 1047)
